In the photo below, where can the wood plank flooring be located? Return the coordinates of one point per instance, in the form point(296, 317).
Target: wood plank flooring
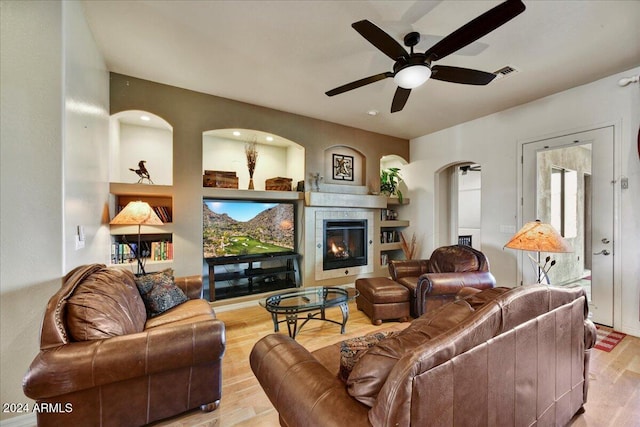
point(614, 387)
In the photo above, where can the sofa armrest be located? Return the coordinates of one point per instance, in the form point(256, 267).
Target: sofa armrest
point(191, 286)
point(301, 389)
point(83, 365)
point(404, 268)
point(449, 284)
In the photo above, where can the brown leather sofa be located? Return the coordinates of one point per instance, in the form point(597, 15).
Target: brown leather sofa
point(130, 370)
point(435, 281)
point(501, 357)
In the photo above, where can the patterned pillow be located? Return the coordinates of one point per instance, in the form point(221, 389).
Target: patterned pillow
point(159, 292)
point(351, 351)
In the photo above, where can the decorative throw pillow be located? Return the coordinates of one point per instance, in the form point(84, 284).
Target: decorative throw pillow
point(159, 292)
point(351, 351)
point(105, 304)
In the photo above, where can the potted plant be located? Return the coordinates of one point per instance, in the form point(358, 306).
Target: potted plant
point(389, 180)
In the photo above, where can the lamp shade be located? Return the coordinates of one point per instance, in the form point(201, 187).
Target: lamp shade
point(136, 213)
point(539, 237)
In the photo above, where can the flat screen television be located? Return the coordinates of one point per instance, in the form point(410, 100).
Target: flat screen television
point(244, 229)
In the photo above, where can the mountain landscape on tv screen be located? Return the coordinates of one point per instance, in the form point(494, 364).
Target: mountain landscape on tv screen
point(270, 231)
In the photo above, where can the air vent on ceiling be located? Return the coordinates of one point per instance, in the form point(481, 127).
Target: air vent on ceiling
point(506, 71)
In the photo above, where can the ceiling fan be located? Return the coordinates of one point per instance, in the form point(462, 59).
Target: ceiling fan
point(412, 69)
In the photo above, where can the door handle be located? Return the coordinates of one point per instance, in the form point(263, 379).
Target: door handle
point(602, 252)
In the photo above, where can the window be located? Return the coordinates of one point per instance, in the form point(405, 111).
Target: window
point(564, 201)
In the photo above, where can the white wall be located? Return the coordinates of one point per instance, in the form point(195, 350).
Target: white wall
point(494, 142)
point(85, 142)
point(52, 87)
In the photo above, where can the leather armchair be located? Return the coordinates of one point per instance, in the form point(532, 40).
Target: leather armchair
point(435, 281)
point(145, 369)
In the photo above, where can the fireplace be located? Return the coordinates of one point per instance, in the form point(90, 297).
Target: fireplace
point(345, 244)
point(350, 231)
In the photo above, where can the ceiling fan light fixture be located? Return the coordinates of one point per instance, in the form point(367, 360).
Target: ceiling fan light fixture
point(412, 76)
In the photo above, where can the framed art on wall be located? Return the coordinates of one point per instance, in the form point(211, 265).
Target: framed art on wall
point(342, 167)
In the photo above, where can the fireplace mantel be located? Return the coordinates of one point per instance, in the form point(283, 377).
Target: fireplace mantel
point(316, 198)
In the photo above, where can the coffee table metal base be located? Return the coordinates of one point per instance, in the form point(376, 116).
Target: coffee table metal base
point(307, 304)
point(291, 319)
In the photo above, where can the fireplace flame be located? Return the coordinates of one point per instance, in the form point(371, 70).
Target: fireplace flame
point(339, 251)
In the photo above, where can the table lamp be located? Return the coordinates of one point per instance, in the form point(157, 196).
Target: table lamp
point(539, 237)
point(137, 213)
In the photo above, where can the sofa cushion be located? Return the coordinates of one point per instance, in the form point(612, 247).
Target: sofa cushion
point(353, 349)
point(159, 292)
point(372, 369)
point(193, 310)
point(105, 304)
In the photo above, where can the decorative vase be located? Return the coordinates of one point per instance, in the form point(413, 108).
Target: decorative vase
point(250, 183)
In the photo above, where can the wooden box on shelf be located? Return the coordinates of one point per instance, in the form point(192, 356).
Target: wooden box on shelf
point(219, 179)
point(278, 184)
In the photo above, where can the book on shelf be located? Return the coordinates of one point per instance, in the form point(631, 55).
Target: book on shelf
point(384, 259)
point(389, 236)
point(163, 213)
point(123, 253)
point(388, 215)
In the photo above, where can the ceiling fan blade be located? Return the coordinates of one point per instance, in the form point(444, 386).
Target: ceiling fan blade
point(400, 99)
point(465, 76)
point(358, 83)
point(473, 30)
point(380, 39)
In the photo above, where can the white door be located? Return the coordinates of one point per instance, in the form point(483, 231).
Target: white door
point(568, 181)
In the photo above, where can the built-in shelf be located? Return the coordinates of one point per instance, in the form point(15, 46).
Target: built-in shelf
point(396, 201)
point(149, 266)
point(314, 198)
point(390, 246)
point(160, 197)
point(394, 223)
point(123, 189)
point(230, 193)
point(166, 228)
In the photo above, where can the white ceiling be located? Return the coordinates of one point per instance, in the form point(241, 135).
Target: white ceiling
point(286, 54)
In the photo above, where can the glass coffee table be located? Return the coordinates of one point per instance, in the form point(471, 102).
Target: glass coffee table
point(313, 301)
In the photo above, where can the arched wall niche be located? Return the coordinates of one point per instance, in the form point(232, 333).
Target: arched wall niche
point(458, 197)
point(395, 161)
point(224, 150)
point(136, 135)
point(344, 165)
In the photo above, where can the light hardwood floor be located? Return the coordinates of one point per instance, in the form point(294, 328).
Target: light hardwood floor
point(614, 387)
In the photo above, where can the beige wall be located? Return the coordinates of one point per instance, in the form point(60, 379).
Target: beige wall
point(192, 113)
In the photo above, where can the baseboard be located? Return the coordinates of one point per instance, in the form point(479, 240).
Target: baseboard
point(26, 420)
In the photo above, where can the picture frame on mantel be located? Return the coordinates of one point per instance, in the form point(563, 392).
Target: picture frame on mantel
point(342, 167)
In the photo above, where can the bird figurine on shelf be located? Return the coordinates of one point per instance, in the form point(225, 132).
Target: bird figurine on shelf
point(142, 172)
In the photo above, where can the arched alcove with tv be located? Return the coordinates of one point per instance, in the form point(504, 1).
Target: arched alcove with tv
point(251, 224)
